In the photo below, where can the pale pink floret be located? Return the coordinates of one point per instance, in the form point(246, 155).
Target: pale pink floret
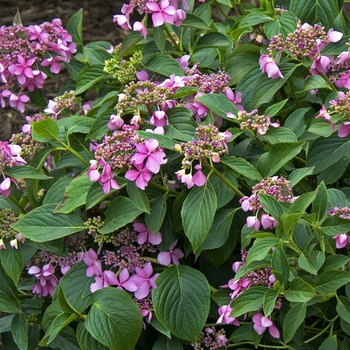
point(90, 258)
point(344, 129)
point(320, 65)
point(144, 281)
point(124, 282)
point(123, 21)
point(268, 221)
point(162, 13)
point(341, 240)
point(115, 122)
point(171, 256)
point(145, 235)
point(141, 176)
point(225, 315)
point(261, 323)
point(108, 278)
point(253, 221)
point(199, 179)
point(140, 27)
point(268, 65)
point(334, 36)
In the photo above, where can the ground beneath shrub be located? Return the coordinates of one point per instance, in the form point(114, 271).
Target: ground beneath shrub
point(97, 25)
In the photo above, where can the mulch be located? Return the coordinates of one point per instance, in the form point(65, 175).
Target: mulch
point(97, 25)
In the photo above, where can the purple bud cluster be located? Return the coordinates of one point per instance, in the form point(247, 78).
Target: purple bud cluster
point(253, 121)
point(24, 54)
point(277, 187)
point(342, 239)
point(209, 144)
point(210, 339)
point(7, 233)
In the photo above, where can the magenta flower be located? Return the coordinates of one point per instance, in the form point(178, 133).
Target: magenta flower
point(199, 179)
point(185, 178)
point(158, 118)
point(171, 256)
point(341, 240)
point(108, 278)
point(47, 280)
point(122, 21)
point(268, 65)
point(140, 27)
point(344, 129)
point(124, 282)
point(5, 186)
point(163, 13)
point(22, 69)
point(144, 281)
point(151, 153)
point(18, 101)
point(107, 179)
point(115, 122)
point(225, 315)
point(320, 65)
point(141, 176)
point(90, 258)
point(261, 323)
point(145, 235)
point(268, 221)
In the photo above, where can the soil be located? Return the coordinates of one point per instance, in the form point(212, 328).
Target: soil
point(97, 25)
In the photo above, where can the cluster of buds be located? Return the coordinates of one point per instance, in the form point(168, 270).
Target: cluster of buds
point(277, 187)
point(7, 233)
point(210, 339)
point(25, 52)
point(123, 71)
point(162, 11)
point(209, 144)
point(338, 113)
point(342, 239)
point(67, 103)
point(253, 121)
point(9, 157)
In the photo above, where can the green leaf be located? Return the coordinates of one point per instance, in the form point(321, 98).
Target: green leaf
point(311, 262)
point(224, 193)
point(218, 103)
point(211, 39)
point(271, 205)
point(279, 135)
point(320, 204)
point(280, 264)
point(19, 331)
point(270, 298)
point(155, 218)
point(343, 308)
point(314, 82)
point(242, 167)
point(198, 212)
point(278, 155)
point(320, 11)
point(129, 43)
point(76, 123)
point(284, 24)
point(334, 225)
point(219, 231)
point(116, 325)
point(159, 37)
point(293, 319)
point(253, 19)
point(299, 291)
point(324, 152)
point(75, 28)
point(76, 288)
point(60, 321)
point(275, 108)
point(75, 195)
point(88, 77)
point(266, 88)
point(86, 340)
point(329, 343)
point(45, 130)
point(25, 172)
point(302, 202)
point(334, 172)
point(41, 224)
point(192, 21)
point(298, 174)
point(164, 343)
point(164, 64)
point(331, 280)
point(181, 301)
point(181, 124)
point(249, 300)
point(261, 247)
point(5, 323)
point(96, 52)
point(138, 197)
point(55, 193)
point(120, 212)
point(12, 262)
point(335, 262)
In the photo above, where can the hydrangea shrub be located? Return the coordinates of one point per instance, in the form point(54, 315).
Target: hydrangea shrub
point(187, 189)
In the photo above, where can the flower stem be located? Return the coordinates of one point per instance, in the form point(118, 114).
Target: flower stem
point(323, 330)
point(14, 200)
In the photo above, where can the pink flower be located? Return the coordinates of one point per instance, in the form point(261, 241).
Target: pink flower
point(185, 178)
point(150, 152)
point(261, 323)
point(141, 176)
point(253, 221)
point(115, 122)
point(199, 179)
point(323, 113)
point(268, 221)
point(90, 258)
point(320, 65)
point(18, 101)
point(158, 118)
point(162, 13)
point(145, 235)
point(179, 17)
point(108, 278)
point(107, 179)
point(268, 65)
point(144, 281)
point(124, 282)
point(140, 27)
point(5, 186)
point(142, 75)
point(22, 69)
point(171, 256)
point(225, 315)
point(341, 240)
point(334, 36)
point(122, 21)
point(93, 172)
point(344, 129)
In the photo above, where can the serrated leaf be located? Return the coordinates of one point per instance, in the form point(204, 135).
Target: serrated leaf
point(293, 319)
point(278, 155)
point(329, 343)
point(224, 193)
point(12, 262)
point(211, 39)
point(284, 24)
point(45, 130)
point(116, 325)
point(19, 331)
point(272, 110)
point(41, 224)
point(271, 205)
point(88, 77)
point(164, 343)
point(242, 167)
point(75, 28)
point(164, 64)
point(155, 218)
point(75, 195)
point(25, 172)
point(164, 141)
point(181, 301)
point(120, 212)
point(279, 135)
point(198, 212)
point(280, 264)
point(299, 291)
point(138, 197)
point(261, 247)
point(320, 204)
point(298, 174)
point(218, 103)
point(343, 308)
point(86, 340)
point(253, 19)
point(181, 124)
point(331, 280)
